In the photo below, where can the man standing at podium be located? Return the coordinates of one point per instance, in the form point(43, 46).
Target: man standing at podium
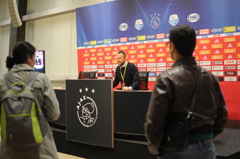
point(126, 73)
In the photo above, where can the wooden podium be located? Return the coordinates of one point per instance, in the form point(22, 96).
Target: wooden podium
point(89, 106)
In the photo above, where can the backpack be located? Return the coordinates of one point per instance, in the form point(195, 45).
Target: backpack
point(21, 117)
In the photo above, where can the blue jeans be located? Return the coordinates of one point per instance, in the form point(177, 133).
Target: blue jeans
point(196, 150)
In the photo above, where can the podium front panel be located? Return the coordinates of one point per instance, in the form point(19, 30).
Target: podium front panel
point(89, 106)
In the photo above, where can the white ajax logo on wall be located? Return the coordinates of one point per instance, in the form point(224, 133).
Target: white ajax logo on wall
point(139, 24)
point(173, 19)
point(155, 21)
point(87, 111)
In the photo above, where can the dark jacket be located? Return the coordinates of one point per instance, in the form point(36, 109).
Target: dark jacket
point(131, 77)
point(173, 92)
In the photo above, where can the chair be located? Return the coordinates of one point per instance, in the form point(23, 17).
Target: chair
point(87, 75)
point(144, 80)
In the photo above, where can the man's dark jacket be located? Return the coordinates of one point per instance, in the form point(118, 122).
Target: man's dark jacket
point(131, 77)
point(173, 92)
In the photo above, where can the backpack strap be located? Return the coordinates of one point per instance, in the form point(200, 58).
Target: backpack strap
point(30, 78)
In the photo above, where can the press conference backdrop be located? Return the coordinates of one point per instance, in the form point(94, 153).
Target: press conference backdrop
point(140, 28)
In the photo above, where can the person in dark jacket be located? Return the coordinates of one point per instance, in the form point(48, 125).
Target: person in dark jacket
point(172, 93)
point(126, 73)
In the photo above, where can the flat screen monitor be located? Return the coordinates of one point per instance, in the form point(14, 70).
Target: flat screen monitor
point(40, 61)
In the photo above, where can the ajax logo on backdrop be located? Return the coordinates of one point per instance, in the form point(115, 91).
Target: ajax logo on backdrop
point(155, 21)
point(87, 110)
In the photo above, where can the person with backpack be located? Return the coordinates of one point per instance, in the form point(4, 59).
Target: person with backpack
point(18, 87)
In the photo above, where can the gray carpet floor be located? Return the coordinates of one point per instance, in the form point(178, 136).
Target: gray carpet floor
point(228, 142)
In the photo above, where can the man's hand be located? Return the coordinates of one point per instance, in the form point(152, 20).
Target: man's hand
point(126, 88)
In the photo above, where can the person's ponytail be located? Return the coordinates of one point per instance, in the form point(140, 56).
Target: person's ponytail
point(10, 62)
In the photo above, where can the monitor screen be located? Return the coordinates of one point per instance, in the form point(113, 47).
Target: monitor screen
point(40, 61)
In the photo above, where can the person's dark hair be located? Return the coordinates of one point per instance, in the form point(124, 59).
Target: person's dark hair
point(184, 39)
point(21, 51)
point(122, 52)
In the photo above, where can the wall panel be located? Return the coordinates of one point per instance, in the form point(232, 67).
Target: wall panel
point(4, 47)
point(38, 32)
point(60, 48)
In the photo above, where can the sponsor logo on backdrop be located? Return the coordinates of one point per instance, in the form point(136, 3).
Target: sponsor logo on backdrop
point(203, 31)
point(152, 79)
point(86, 43)
point(230, 78)
point(220, 73)
point(161, 64)
point(123, 26)
point(100, 70)
point(93, 66)
point(230, 67)
point(142, 69)
point(207, 67)
point(205, 41)
point(217, 30)
point(155, 21)
point(205, 62)
point(93, 42)
point(194, 17)
point(139, 24)
point(141, 37)
point(217, 67)
point(229, 29)
point(100, 66)
point(151, 65)
point(108, 70)
point(108, 74)
point(229, 62)
point(152, 74)
point(108, 66)
point(115, 66)
point(149, 37)
point(123, 40)
point(161, 69)
point(160, 36)
point(87, 67)
point(115, 40)
point(173, 19)
point(142, 65)
point(132, 39)
point(217, 62)
point(87, 110)
point(99, 42)
point(230, 39)
point(231, 73)
point(107, 41)
point(151, 69)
